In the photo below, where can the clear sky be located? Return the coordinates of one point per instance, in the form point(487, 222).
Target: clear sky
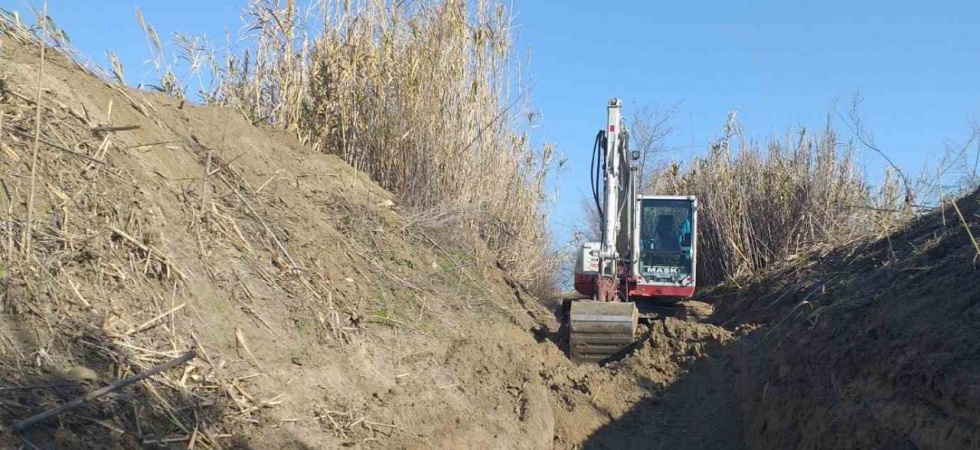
point(780, 63)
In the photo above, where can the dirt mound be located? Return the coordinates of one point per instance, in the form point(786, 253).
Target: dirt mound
point(321, 314)
point(868, 346)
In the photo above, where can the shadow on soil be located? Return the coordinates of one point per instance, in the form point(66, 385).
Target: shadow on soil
point(131, 418)
point(144, 415)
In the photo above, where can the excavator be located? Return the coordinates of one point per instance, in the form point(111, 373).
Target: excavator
point(646, 257)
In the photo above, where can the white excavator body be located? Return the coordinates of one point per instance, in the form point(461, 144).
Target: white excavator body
point(646, 257)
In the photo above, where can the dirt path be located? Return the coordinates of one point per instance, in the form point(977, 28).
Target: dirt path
point(678, 389)
point(697, 411)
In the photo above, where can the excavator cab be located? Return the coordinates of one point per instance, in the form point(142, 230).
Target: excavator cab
point(665, 266)
point(658, 270)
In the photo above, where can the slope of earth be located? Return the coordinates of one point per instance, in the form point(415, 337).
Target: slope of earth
point(322, 315)
point(873, 345)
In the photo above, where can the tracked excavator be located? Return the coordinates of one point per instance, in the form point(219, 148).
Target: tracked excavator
point(645, 260)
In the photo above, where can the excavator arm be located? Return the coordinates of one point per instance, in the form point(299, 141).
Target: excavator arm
point(601, 327)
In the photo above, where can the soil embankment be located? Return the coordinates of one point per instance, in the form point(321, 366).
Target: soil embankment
point(322, 315)
point(872, 345)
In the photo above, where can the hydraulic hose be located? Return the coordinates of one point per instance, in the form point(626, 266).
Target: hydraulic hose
point(598, 168)
point(597, 163)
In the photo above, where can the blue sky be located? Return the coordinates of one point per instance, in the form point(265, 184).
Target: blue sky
point(780, 63)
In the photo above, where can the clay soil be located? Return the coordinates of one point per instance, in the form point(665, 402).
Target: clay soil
point(326, 315)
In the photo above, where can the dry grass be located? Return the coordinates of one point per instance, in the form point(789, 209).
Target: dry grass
point(764, 203)
point(423, 96)
point(37, 138)
point(966, 226)
point(66, 256)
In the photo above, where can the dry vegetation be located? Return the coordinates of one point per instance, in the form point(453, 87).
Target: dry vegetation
point(765, 203)
point(59, 338)
point(423, 96)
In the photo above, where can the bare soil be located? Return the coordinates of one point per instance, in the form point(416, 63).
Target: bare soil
point(325, 315)
point(872, 345)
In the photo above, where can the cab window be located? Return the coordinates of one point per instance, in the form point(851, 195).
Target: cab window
point(665, 225)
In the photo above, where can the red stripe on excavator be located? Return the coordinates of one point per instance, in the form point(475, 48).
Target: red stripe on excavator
point(584, 284)
point(646, 290)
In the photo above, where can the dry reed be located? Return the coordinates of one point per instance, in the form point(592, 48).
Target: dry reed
point(763, 204)
point(65, 247)
point(424, 97)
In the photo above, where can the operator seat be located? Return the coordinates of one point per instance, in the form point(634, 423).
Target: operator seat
point(666, 234)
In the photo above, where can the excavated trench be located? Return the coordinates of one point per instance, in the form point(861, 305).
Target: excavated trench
point(870, 345)
point(676, 387)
